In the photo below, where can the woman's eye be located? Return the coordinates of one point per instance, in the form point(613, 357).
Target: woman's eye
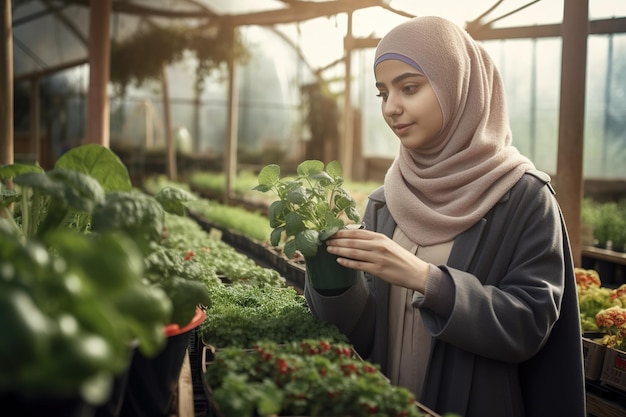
point(409, 89)
point(382, 95)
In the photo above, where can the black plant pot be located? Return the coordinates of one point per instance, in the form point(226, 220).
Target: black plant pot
point(152, 382)
point(113, 406)
point(20, 405)
point(325, 273)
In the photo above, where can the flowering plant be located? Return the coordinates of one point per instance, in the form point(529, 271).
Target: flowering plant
point(314, 377)
point(592, 297)
point(618, 296)
point(613, 321)
point(587, 278)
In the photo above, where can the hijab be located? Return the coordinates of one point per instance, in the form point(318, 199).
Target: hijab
point(434, 194)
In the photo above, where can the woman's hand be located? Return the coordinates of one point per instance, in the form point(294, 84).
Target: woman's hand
point(378, 255)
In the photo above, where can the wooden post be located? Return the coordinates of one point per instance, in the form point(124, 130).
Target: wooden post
point(6, 85)
point(569, 174)
point(170, 146)
point(230, 153)
point(99, 69)
point(35, 119)
point(347, 149)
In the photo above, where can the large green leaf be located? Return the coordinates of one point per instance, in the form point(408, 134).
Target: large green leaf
point(13, 170)
point(99, 162)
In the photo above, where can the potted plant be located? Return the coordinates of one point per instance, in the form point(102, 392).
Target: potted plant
point(73, 305)
point(311, 207)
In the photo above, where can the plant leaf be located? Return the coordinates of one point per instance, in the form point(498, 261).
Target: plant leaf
point(8, 197)
point(310, 167)
point(290, 248)
point(334, 169)
point(173, 200)
point(276, 213)
point(333, 225)
point(297, 196)
point(40, 181)
point(323, 177)
point(13, 170)
point(294, 223)
point(276, 235)
point(81, 191)
point(353, 214)
point(307, 242)
point(268, 177)
point(99, 162)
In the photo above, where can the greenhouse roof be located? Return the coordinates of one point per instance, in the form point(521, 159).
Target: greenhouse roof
point(51, 35)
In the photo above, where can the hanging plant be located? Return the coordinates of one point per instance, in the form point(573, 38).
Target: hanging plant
point(142, 56)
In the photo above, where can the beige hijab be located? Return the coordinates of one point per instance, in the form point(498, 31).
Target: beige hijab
point(434, 194)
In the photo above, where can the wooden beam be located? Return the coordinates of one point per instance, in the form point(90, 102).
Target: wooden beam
point(99, 62)
point(51, 70)
point(292, 13)
point(303, 11)
point(6, 84)
point(595, 27)
point(569, 171)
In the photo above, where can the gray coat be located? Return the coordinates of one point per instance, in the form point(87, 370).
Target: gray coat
point(512, 344)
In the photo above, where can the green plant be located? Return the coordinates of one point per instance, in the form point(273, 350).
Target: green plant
point(253, 313)
point(311, 377)
point(610, 225)
point(89, 190)
point(71, 307)
point(312, 206)
point(63, 197)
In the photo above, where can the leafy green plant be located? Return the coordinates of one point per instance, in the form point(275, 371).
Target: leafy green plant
point(90, 191)
point(242, 315)
point(311, 206)
point(311, 377)
point(63, 197)
point(213, 257)
point(71, 307)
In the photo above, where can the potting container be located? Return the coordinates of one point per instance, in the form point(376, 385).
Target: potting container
point(152, 382)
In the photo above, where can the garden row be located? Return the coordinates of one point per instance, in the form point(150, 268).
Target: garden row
point(100, 280)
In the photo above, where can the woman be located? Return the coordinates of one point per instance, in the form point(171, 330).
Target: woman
point(468, 296)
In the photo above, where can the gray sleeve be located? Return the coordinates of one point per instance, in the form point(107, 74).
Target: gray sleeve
point(343, 310)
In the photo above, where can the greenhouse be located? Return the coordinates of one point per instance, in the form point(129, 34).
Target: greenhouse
point(173, 171)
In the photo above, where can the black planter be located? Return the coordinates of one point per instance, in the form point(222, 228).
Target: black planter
point(152, 382)
point(325, 273)
point(113, 406)
point(20, 405)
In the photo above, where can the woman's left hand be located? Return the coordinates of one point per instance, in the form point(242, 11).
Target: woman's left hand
point(378, 255)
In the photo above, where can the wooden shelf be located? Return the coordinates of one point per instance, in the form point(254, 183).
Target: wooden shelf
point(601, 407)
point(604, 255)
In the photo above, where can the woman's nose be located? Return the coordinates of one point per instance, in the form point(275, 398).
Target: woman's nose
point(391, 107)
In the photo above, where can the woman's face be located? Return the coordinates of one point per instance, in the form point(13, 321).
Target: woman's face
point(409, 104)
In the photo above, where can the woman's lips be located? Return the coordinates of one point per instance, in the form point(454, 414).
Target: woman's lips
point(401, 128)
